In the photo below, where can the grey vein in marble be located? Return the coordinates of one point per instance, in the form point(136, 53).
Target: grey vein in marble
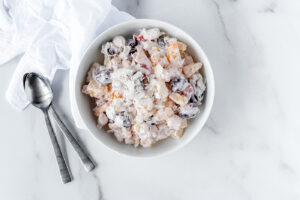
point(270, 8)
point(222, 22)
point(212, 128)
point(99, 190)
point(287, 167)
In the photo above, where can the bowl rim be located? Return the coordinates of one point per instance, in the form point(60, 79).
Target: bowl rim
point(208, 72)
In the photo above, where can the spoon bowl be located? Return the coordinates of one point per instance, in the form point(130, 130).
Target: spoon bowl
point(38, 90)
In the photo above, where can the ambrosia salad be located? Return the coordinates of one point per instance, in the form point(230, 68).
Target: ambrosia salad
point(146, 89)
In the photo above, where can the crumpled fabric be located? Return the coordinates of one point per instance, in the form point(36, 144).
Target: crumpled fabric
point(50, 35)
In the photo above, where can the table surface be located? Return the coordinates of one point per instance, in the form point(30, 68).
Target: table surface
point(249, 148)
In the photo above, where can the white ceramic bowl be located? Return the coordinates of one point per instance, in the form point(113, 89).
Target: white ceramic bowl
point(83, 102)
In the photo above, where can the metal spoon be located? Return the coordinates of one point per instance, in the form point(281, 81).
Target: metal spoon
point(40, 95)
point(85, 160)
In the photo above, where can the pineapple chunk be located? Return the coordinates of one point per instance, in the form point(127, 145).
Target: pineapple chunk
point(189, 70)
point(178, 98)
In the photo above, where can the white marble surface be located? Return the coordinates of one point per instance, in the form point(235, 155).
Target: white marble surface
point(249, 148)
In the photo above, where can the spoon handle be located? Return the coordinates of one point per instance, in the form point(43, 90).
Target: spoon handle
point(63, 169)
point(86, 161)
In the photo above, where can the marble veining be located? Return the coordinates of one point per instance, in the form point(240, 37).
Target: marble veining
point(222, 21)
point(270, 8)
point(248, 149)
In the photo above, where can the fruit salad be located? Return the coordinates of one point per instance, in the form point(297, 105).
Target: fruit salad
point(147, 88)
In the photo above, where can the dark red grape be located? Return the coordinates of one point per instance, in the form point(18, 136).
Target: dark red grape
point(161, 42)
point(111, 52)
point(189, 111)
point(132, 43)
point(198, 95)
point(178, 84)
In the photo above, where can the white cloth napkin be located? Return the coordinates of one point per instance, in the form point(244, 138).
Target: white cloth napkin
point(50, 35)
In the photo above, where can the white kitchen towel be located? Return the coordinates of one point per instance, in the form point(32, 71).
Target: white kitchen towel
point(50, 35)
